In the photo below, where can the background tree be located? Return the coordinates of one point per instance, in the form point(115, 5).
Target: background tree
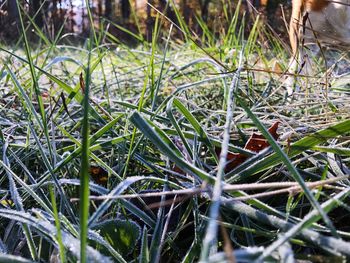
point(36, 12)
point(125, 9)
point(108, 8)
point(12, 10)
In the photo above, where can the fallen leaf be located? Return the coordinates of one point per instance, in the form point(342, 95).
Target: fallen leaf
point(99, 175)
point(256, 143)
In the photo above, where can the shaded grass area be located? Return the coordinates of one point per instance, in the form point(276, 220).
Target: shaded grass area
point(160, 122)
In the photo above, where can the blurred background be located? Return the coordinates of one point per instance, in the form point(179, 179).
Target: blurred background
point(120, 18)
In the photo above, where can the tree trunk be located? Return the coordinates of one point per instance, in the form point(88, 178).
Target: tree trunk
point(12, 10)
point(108, 8)
point(35, 7)
point(125, 6)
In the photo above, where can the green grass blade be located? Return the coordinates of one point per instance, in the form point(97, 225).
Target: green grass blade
point(292, 169)
point(144, 255)
point(309, 219)
point(13, 259)
point(34, 80)
point(149, 132)
point(85, 165)
point(58, 225)
point(296, 148)
point(121, 187)
point(196, 126)
point(48, 230)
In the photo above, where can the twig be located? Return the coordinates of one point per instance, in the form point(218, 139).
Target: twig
point(289, 187)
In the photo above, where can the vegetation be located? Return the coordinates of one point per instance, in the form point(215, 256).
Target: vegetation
point(180, 150)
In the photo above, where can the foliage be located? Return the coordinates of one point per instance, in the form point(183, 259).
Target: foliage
point(157, 131)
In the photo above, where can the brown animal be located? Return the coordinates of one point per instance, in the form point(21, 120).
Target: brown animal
point(328, 21)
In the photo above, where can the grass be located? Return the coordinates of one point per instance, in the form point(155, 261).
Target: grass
point(149, 135)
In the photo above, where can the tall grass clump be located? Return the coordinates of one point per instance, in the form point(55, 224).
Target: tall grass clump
point(182, 149)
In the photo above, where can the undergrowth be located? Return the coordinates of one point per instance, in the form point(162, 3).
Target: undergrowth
point(150, 143)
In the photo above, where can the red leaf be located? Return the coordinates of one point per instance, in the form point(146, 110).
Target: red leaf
point(99, 175)
point(255, 143)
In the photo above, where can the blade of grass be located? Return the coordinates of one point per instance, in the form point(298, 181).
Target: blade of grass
point(48, 230)
point(309, 219)
point(143, 100)
point(296, 148)
point(196, 126)
point(53, 175)
point(291, 168)
point(144, 255)
point(85, 164)
point(58, 225)
point(155, 248)
point(35, 81)
point(169, 111)
point(329, 244)
point(14, 259)
point(122, 186)
point(210, 237)
point(149, 132)
point(18, 202)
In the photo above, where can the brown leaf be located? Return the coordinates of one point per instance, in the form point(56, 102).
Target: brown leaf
point(256, 143)
point(99, 175)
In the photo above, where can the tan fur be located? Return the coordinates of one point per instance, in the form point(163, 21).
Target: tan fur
point(329, 19)
point(299, 8)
